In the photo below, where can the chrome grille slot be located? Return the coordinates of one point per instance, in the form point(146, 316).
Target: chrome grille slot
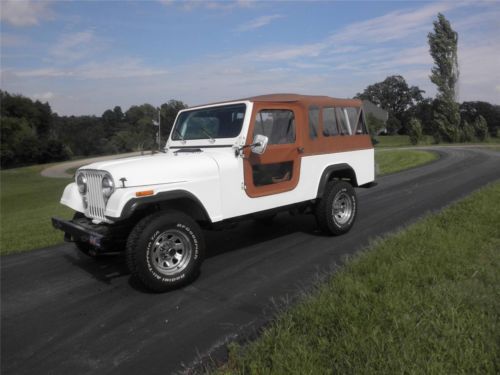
point(96, 204)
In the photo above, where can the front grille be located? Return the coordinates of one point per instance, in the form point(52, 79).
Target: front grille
point(95, 200)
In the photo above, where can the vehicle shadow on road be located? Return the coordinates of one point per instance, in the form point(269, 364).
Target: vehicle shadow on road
point(250, 233)
point(108, 268)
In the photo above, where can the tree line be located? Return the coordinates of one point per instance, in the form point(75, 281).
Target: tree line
point(32, 134)
point(442, 117)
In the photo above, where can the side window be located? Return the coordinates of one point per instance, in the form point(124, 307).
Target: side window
point(276, 124)
point(267, 174)
point(313, 122)
point(329, 122)
point(341, 118)
point(352, 114)
point(361, 129)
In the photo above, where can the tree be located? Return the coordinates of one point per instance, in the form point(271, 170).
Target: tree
point(490, 112)
point(394, 95)
point(415, 131)
point(467, 132)
point(443, 49)
point(169, 112)
point(481, 128)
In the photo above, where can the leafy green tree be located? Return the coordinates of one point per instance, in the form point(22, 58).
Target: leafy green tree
point(394, 95)
point(169, 112)
point(467, 132)
point(443, 48)
point(140, 123)
point(490, 112)
point(481, 128)
point(375, 125)
point(415, 131)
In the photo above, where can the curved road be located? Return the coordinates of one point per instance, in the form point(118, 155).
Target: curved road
point(64, 314)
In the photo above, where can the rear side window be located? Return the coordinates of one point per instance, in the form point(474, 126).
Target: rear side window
point(361, 128)
point(342, 121)
point(276, 124)
point(313, 122)
point(353, 115)
point(329, 122)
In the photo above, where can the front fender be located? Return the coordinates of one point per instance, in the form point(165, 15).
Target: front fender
point(72, 198)
point(124, 201)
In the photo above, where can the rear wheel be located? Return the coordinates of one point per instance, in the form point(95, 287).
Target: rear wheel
point(165, 250)
point(336, 211)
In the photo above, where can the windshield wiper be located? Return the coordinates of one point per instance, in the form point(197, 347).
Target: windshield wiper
point(179, 134)
point(207, 134)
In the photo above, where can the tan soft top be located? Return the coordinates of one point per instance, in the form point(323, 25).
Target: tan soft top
point(306, 100)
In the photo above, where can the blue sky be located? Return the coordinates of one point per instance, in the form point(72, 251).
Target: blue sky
point(84, 57)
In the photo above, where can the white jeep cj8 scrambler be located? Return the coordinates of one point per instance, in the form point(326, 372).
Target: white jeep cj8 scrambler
point(224, 162)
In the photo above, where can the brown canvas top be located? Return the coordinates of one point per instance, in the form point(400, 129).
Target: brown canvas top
point(305, 100)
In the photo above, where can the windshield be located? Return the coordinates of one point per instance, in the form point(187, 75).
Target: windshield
point(216, 122)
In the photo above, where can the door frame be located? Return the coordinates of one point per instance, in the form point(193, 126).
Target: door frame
point(275, 153)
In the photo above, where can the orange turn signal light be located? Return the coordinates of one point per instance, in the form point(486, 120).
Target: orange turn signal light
point(144, 193)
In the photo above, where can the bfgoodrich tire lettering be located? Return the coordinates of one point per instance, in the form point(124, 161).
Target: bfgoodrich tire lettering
point(165, 250)
point(336, 211)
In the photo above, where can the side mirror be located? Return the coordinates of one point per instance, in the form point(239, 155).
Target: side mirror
point(259, 144)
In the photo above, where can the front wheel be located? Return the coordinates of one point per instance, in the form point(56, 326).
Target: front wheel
point(336, 210)
point(165, 250)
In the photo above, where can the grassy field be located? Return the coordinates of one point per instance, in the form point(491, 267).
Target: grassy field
point(400, 141)
point(392, 161)
point(426, 300)
point(28, 201)
point(404, 141)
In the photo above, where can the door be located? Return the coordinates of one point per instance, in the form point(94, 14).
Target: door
point(278, 169)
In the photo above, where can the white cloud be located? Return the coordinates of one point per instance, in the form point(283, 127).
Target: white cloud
point(75, 46)
point(45, 96)
point(392, 26)
point(25, 12)
point(259, 22)
point(189, 5)
point(110, 69)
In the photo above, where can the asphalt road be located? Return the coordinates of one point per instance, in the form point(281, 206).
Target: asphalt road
point(65, 314)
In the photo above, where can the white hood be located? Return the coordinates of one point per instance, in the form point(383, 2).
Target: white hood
point(160, 168)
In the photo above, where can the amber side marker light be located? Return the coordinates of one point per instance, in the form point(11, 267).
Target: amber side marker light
point(144, 193)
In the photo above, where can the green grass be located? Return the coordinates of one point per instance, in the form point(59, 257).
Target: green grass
point(400, 141)
point(423, 301)
point(28, 201)
point(404, 141)
point(392, 161)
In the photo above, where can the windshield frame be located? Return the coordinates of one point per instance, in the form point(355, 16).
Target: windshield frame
point(175, 139)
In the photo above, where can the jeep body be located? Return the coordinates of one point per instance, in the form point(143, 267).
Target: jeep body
point(222, 162)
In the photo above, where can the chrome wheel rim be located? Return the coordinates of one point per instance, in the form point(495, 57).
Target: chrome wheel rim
point(171, 252)
point(342, 208)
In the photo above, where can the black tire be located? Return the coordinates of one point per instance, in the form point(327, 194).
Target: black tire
point(340, 219)
point(165, 250)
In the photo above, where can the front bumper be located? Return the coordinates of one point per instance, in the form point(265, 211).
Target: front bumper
point(81, 230)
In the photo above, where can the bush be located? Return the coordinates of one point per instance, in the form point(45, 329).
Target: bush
point(415, 131)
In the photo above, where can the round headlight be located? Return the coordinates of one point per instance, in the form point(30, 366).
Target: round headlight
point(108, 186)
point(81, 182)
